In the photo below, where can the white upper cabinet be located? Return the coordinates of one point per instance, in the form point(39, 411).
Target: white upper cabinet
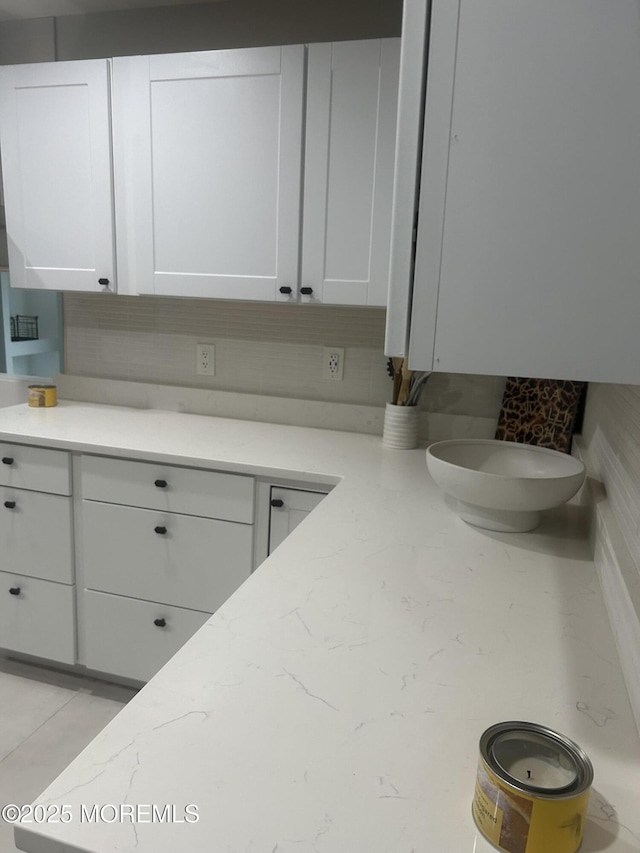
point(207, 154)
point(352, 92)
point(528, 257)
point(191, 166)
point(56, 153)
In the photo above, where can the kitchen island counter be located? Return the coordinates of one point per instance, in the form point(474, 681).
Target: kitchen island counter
point(334, 703)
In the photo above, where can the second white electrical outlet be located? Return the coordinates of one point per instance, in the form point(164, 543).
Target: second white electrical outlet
point(333, 363)
point(205, 360)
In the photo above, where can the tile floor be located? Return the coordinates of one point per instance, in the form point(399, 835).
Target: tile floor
point(46, 719)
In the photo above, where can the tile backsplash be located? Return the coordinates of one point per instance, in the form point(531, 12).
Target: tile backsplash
point(611, 437)
point(611, 433)
point(267, 349)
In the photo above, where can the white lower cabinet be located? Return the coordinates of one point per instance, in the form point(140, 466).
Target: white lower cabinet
point(158, 548)
point(37, 607)
point(163, 547)
point(288, 507)
point(37, 617)
point(134, 638)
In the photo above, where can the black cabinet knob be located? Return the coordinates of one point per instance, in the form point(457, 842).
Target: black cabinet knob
point(285, 290)
point(160, 623)
point(306, 291)
point(10, 504)
point(277, 502)
point(14, 590)
point(103, 281)
point(161, 530)
point(161, 484)
point(7, 460)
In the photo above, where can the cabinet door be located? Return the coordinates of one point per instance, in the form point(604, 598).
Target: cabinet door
point(177, 559)
point(123, 636)
point(208, 154)
point(37, 617)
point(56, 162)
point(529, 251)
point(288, 508)
point(36, 534)
point(352, 93)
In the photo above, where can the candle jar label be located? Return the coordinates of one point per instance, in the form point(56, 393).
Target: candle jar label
point(518, 823)
point(502, 816)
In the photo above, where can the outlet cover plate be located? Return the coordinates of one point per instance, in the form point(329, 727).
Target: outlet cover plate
point(333, 363)
point(205, 360)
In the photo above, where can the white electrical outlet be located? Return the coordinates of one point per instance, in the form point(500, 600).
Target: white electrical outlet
point(205, 360)
point(333, 363)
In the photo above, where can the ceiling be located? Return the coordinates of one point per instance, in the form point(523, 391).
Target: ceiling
point(11, 10)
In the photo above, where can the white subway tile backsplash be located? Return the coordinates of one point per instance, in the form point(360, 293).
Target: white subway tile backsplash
point(611, 433)
point(272, 350)
point(611, 436)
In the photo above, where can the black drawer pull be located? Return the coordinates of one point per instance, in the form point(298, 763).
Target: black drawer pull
point(10, 504)
point(103, 281)
point(160, 623)
point(285, 290)
point(14, 590)
point(306, 291)
point(277, 502)
point(160, 530)
point(7, 460)
point(161, 484)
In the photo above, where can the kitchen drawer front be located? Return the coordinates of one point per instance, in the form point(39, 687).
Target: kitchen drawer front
point(36, 534)
point(196, 563)
point(35, 468)
point(37, 618)
point(123, 639)
point(187, 490)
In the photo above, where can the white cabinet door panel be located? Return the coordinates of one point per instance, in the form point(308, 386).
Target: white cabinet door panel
point(56, 153)
point(179, 559)
point(211, 494)
point(208, 158)
point(538, 273)
point(288, 508)
point(350, 137)
point(36, 531)
point(37, 617)
point(134, 638)
point(38, 468)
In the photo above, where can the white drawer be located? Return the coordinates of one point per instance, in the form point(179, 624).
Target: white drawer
point(35, 468)
point(196, 563)
point(36, 534)
point(122, 637)
point(37, 617)
point(187, 490)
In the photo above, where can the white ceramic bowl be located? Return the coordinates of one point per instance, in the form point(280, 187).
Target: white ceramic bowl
point(501, 485)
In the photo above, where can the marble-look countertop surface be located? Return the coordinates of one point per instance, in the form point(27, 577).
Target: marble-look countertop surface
point(335, 702)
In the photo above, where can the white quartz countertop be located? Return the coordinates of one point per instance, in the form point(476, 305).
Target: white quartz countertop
point(335, 702)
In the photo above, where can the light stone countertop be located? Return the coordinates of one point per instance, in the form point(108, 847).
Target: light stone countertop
point(335, 702)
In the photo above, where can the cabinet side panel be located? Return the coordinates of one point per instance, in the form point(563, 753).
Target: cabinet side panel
point(435, 157)
point(406, 173)
point(541, 254)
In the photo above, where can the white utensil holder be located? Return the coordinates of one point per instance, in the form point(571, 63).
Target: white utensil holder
point(400, 431)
